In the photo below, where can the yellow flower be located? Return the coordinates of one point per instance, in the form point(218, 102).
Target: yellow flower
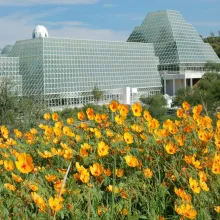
point(55, 204)
point(128, 138)
point(98, 118)
point(119, 172)
point(68, 154)
point(24, 163)
point(18, 133)
point(170, 148)
point(102, 149)
point(45, 154)
point(70, 121)
point(119, 120)
point(17, 178)
point(131, 161)
point(194, 185)
point(9, 165)
point(148, 173)
point(4, 132)
point(110, 189)
point(47, 116)
point(10, 186)
point(137, 109)
point(96, 169)
point(203, 185)
point(217, 209)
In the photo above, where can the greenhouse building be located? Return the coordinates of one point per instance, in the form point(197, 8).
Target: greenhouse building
point(63, 72)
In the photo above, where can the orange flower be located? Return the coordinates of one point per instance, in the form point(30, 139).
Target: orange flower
point(148, 173)
point(55, 116)
point(147, 116)
point(33, 187)
point(186, 106)
point(9, 165)
point(137, 109)
point(131, 161)
point(81, 115)
point(107, 172)
point(96, 169)
point(179, 113)
point(39, 201)
point(128, 138)
point(24, 163)
point(119, 172)
point(17, 178)
point(9, 186)
point(194, 185)
point(182, 194)
point(50, 178)
point(113, 106)
point(55, 204)
point(102, 149)
point(90, 114)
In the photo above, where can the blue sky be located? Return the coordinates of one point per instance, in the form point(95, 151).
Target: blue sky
point(97, 19)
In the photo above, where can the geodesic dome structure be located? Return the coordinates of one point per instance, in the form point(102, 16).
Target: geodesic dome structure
point(40, 31)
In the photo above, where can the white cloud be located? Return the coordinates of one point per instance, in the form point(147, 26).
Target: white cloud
point(20, 26)
point(44, 2)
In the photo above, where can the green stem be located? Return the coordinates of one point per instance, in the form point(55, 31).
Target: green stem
point(113, 186)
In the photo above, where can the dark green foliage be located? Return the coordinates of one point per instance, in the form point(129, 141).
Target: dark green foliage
point(156, 105)
point(97, 93)
point(214, 42)
point(17, 111)
point(205, 92)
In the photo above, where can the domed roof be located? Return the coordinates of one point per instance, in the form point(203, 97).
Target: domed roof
point(6, 50)
point(39, 31)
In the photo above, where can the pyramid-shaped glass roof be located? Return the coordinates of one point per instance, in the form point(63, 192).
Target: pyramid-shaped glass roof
point(176, 42)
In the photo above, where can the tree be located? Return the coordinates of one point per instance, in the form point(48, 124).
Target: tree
point(156, 105)
point(210, 66)
point(18, 111)
point(205, 92)
point(97, 94)
point(212, 34)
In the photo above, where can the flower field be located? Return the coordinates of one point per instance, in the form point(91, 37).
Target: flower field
point(120, 163)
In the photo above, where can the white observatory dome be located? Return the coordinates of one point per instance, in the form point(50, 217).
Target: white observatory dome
point(39, 31)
